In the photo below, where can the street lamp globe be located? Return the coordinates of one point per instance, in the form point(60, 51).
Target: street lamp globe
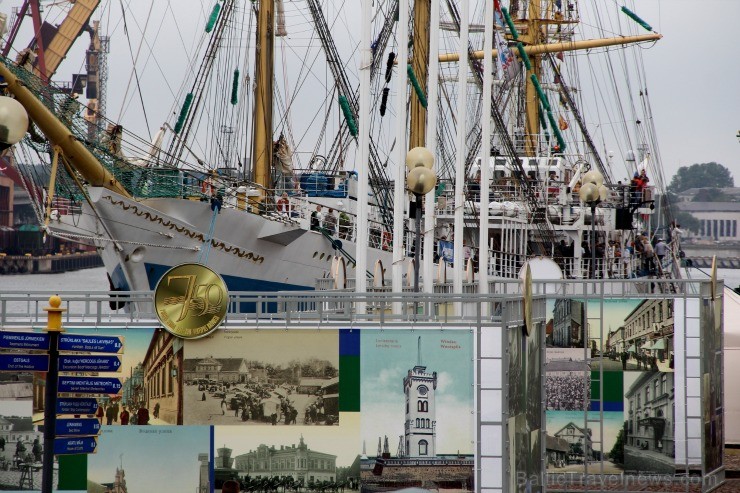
point(419, 157)
point(593, 176)
point(13, 122)
point(421, 180)
point(589, 192)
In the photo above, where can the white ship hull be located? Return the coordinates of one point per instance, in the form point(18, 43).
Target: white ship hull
point(250, 251)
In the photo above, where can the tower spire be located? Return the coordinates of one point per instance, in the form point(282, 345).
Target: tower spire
point(418, 351)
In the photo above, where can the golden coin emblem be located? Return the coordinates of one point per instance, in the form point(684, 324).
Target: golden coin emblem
point(191, 301)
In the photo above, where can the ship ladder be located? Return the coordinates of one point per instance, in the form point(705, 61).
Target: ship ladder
point(203, 257)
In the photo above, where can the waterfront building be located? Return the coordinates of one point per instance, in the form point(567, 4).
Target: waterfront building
point(297, 461)
point(718, 221)
point(651, 413)
point(163, 376)
point(569, 323)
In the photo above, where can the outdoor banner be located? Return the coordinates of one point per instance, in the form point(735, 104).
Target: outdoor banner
point(388, 408)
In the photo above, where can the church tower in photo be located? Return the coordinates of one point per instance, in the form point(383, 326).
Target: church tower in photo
point(420, 428)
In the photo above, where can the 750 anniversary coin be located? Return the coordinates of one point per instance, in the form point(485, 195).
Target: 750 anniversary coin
point(191, 300)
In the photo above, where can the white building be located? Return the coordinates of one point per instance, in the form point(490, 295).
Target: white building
point(718, 221)
point(420, 429)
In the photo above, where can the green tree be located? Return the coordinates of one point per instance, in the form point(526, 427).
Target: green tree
point(711, 195)
point(617, 453)
point(701, 176)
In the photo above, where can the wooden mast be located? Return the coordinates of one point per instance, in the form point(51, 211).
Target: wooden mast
point(262, 134)
point(420, 65)
point(532, 36)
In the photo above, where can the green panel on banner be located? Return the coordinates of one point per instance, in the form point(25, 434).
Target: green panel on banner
point(613, 386)
point(72, 472)
point(349, 383)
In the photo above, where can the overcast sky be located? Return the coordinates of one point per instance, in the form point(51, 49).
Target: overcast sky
point(692, 73)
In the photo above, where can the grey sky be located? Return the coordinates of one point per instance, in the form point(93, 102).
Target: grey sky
point(691, 76)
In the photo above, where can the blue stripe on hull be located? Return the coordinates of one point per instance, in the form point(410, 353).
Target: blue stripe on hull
point(155, 272)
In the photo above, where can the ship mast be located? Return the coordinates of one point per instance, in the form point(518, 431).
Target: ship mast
point(419, 64)
point(531, 35)
point(262, 134)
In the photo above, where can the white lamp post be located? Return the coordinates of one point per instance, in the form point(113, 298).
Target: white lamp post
point(592, 192)
point(420, 181)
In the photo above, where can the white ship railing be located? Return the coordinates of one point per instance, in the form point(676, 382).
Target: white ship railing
point(93, 309)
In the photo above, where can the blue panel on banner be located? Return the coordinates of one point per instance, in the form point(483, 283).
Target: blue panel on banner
point(608, 406)
point(82, 426)
point(76, 406)
point(89, 385)
point(81, 445)
point(89, 363)
point(24, 362)
point(95, 344)
point(349, 342)
point(24, 340)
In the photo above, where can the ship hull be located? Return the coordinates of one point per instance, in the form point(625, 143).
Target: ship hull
point(251, 252)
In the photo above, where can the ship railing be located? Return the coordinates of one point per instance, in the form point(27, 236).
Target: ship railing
point(25, 309)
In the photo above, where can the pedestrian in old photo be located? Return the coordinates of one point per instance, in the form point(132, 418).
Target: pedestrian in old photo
point(125, 416)
point(142, 416)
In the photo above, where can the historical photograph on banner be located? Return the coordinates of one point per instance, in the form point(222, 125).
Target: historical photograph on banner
point(649, 426)
point(634, 335)
point(574, 443)
point(525, 412)
point(567, 380)
point(21, 446)
point(418, 422)
point(566, 323)
point(711, 320)
point(311, 458)
point(174, 458)
point(262, 377)
point(139, 367)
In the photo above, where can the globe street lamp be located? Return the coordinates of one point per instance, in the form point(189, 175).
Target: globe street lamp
point(13, 122)
point(592, 192)
point(419, 181)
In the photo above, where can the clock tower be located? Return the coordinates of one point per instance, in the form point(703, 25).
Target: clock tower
point(420, 428)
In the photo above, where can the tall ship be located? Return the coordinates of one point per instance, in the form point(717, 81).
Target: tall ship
point(262, 171)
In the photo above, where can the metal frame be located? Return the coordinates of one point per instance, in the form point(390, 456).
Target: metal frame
point(489, 316)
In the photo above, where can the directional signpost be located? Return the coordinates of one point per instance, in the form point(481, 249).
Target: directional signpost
point(90, 385)
point(95, 344)
point(75, 445)
point(24, 362)
point(77, 427)
point(65, 435)
point(89, 363)
point(24, 340)
point(76, 406)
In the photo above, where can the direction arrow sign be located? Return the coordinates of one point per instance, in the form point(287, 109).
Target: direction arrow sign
point(24, 340)
point(89, 363)
point(81, 445)
point(89, 385)
point(76, 406)
point(95, 344)
point(81, 426)
point(24, 362)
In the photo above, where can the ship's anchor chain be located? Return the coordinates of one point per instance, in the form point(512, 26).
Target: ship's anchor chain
point(187, 232)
